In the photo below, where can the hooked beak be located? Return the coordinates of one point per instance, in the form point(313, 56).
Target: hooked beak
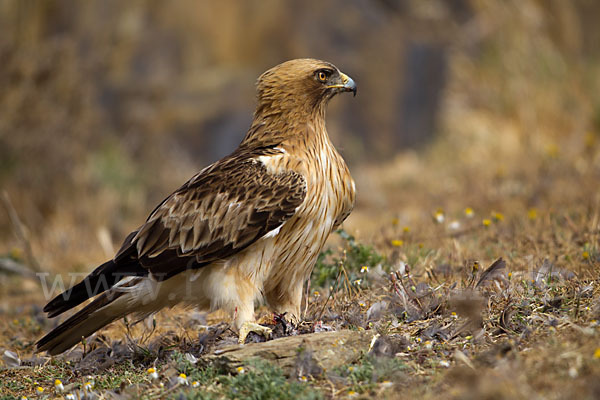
point(347, 84)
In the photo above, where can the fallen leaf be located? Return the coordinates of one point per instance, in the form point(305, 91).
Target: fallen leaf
point(494, 271)
point(11, 359)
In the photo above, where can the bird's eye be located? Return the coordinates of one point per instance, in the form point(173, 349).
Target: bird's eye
point(322, 76)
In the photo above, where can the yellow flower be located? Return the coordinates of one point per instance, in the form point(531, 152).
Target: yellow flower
point(498, 216)
point(362, 304)
point(316, 293)
point(364, 269)
point(152, 372)
point(88, 385)
point(358, 282)
point(469, 212)
point(39, 389)
point(395, 221)
point(590, 140)
point(240, 370)
point(195, 384)
point(303, 379)
point(486, 222)
point(475, 266)
point(585, 255)
point(438, 216)
point(552, 150)
point(182, 379)
point(397, 242)
point(597, 352)
point(58, 385)
point(352, 393)
point(16, 253)
point(421, 245)
point(509, 275)
point(532, 214)
point(406, 229)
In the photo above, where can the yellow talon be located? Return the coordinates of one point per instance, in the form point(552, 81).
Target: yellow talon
point(248, 327)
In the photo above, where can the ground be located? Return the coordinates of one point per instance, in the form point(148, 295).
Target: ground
point(464, 277)
point(400, 305)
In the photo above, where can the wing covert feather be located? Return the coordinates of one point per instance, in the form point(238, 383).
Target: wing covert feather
point(220, 211)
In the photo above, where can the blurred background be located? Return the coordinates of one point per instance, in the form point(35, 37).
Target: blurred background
point(107, 106)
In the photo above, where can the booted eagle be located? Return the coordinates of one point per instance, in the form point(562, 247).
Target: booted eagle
point(248, 227)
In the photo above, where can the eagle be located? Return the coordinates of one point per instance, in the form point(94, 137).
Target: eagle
point(247, 228)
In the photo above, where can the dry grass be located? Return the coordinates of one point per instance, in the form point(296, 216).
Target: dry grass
point(529, 330)
point(519, 145)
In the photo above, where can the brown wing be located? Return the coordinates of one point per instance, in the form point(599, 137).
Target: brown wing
point(218, 213)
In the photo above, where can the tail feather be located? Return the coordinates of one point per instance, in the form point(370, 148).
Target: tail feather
point(99, 313)
point(100, 280)
point(114, 288)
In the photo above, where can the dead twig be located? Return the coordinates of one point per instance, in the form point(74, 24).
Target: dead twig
point(20, 231)
point(10, 266)
point(331, 292)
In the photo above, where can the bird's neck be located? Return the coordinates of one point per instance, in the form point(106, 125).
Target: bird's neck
point(303, 127)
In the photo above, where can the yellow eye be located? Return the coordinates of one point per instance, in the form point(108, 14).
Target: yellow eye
point(322, 76)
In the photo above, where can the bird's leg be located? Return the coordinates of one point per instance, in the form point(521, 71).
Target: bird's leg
point(244, 321)
point(288, 305)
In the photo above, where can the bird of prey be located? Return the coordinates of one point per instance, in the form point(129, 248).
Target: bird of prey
point(247, 228)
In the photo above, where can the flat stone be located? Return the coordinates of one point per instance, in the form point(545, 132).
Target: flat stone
point(327, 349)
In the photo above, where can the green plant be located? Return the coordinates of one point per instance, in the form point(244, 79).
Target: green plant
point(368, 371)
point(258, 380)
point(353, 258)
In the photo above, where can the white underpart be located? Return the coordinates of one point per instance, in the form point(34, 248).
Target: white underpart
point(272, 163)
point(273, 233)
point(267, 160)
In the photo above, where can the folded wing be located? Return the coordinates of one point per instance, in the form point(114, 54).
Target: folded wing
point(219, 212)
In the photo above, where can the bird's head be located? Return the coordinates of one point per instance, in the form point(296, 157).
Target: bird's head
point(301, 85)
